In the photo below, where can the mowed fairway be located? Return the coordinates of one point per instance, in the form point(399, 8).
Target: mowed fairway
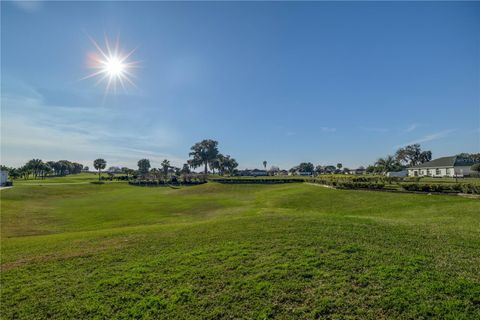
point(292, 251)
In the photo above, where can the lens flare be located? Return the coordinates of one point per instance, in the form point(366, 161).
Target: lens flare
point(111, 66)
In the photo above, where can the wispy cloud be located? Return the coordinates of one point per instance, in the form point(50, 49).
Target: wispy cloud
point(429, 137)
point(29, 6)
point(31, 128)
point(411, 127)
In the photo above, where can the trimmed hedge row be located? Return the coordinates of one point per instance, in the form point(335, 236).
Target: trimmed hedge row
point(360, 185)
point(443, 188)
point(350, 184)
point(156, 183)
point(257, 181)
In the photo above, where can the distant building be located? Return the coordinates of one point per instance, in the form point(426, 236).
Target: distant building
point(360, 170)
point(253, 173)
point(442, 167)
point(3, 178)
point(402, 173)
point(258, 172)
point(303, 173)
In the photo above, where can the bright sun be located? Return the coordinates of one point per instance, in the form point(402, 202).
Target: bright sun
point(114, 67)
point(111, 66)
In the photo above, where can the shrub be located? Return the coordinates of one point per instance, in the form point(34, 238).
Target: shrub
point(257, 180)
point(442, 187)
point(160, 183)
point(470, 188)
point(361, 185)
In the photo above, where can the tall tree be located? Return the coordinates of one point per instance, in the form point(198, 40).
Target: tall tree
point(35, 166)
point(265, 164)
point(185, 169)
point(230, 165)
point(76, 168)
point(306, 167)
point(413, 155)
point(204, 153)
point(156, 173)
point(329, 169)
point(319, 169)
point(339, 166)
point(143, 166)
point(14, 173)
point(218, 163)
point(99, 164)
point(125, 171)
point(165, 166)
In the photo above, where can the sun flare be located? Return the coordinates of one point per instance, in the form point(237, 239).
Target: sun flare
point(114, 67)
point(111, 66)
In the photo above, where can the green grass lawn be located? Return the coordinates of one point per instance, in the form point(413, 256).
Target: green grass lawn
point(290, 251)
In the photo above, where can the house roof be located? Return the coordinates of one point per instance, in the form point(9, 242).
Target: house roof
point(452, 161)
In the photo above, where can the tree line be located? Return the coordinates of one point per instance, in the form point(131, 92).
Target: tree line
point(38, 168)
point(203, 154)
point(206, 155)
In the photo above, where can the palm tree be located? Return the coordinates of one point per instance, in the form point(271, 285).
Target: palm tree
point(155, 173)
point(230, 164)
point(99, 164)
point(35, 165)
point(165, 166)
point(204, 153)
point(387, 164)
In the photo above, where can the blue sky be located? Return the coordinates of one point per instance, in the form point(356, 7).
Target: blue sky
point(285, 82)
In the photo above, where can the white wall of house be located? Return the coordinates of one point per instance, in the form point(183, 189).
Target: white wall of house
point(459, 171)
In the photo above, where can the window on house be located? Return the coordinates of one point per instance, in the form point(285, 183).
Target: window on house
point(447, 171)
point(438, 172)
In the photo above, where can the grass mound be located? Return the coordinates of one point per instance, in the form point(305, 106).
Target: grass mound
point(236, 251)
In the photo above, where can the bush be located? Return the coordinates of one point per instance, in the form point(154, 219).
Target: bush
point(257, 180)
point(442, 187)
point(361, 185)
point(470, 188)
point(97, 182)
point(351, 183)
point(160, 183)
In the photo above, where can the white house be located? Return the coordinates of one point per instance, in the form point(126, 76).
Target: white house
point(442, 167)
